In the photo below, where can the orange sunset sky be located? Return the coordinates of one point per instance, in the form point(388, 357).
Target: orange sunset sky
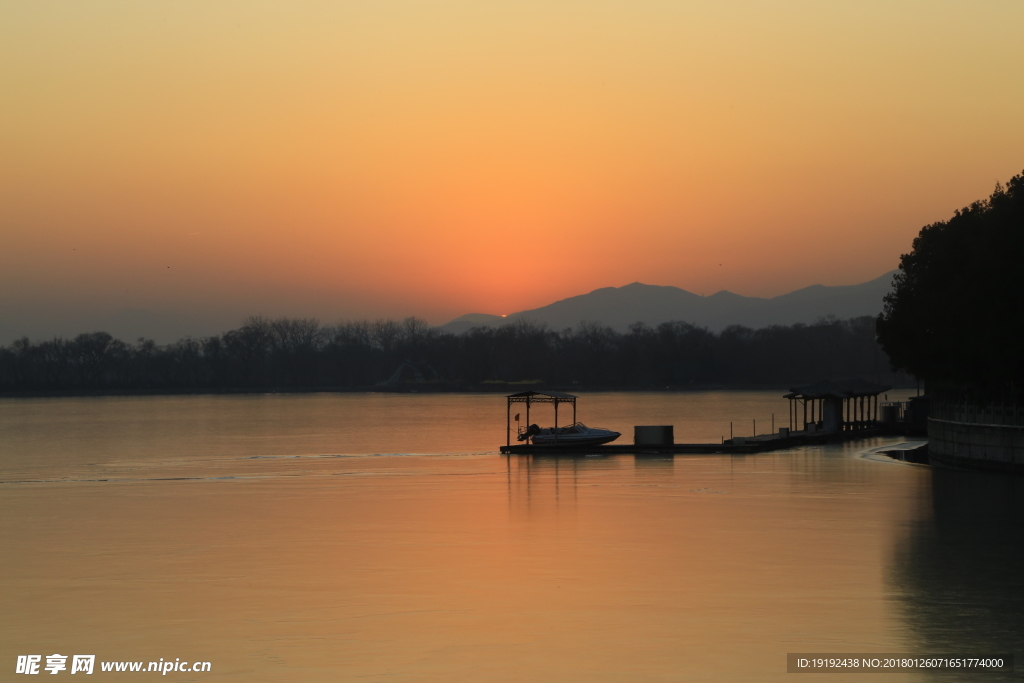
point(204, 161)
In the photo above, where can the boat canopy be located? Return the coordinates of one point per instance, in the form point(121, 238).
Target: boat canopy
point(541, 397)
point(554, 398)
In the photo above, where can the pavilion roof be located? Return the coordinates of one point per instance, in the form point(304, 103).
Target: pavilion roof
point(542, 394)
point(846, 388)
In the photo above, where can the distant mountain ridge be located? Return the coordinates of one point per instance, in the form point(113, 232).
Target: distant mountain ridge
point(620, 307)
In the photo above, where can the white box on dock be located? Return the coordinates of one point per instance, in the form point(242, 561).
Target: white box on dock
point(653, 435)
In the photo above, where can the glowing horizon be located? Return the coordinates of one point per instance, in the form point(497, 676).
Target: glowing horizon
point(441, 158)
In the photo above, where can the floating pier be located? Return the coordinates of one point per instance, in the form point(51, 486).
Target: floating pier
point(751, 444)
point(828, 402)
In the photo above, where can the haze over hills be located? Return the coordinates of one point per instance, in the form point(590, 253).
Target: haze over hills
point(160, 324)
point(620, 307)
point(617, 307)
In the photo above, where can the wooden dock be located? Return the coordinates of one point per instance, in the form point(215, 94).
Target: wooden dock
point(751, 444)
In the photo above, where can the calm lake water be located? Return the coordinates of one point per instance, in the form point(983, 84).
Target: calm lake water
point(380, 537)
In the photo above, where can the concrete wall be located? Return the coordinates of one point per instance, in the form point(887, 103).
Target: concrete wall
point(976, 444)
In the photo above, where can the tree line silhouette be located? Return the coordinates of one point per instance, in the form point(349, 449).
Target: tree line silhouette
point(956, 313)
point(303, 354)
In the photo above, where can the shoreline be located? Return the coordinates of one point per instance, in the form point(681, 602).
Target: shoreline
point(502, 389)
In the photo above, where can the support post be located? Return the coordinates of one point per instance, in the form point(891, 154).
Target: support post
point(556, 424)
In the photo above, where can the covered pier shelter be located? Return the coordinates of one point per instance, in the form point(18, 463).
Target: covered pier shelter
point(834, 406)
point(530, 398)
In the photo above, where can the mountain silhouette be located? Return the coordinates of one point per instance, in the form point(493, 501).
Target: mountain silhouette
point(620, 307)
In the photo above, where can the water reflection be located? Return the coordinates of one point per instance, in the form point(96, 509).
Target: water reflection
point(654, 464)
point(960, 571)
point(540, 484)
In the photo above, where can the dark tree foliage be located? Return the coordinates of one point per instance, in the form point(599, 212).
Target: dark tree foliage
point(956, 311)
point(287, 353)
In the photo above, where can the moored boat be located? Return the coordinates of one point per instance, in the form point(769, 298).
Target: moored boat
point(576, 434)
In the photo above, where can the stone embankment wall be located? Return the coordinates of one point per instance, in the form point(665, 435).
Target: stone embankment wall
point(989, 436)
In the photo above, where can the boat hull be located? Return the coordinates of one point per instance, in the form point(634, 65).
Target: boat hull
point(573, 440)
